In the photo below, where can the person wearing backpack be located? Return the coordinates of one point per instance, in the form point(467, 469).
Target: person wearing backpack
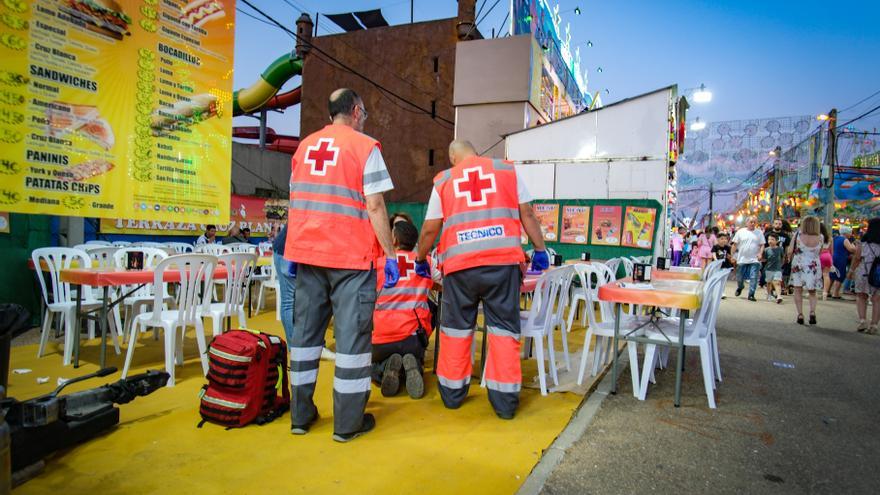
point(865, 273)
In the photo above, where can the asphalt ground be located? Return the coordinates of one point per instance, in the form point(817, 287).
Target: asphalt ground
point(798, 412)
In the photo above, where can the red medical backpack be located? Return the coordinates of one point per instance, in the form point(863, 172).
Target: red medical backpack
point(246, 369)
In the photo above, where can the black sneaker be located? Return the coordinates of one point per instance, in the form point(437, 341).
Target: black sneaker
point(303, 429)
point(505, 415)
point(391, 375)
point(368, 424)
point(752, 298)
point(415, 384)
point(738, 292)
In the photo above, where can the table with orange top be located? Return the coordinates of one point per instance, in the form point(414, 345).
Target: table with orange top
point(684, 295)
point(676, 275)
point(106, 278)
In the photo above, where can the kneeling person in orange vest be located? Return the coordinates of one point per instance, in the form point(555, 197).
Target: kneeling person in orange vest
point(402, 320)
point(480, 203)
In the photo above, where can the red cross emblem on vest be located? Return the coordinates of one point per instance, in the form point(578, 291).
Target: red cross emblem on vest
point(321, 156)
point(405, 266)
point(474, 186)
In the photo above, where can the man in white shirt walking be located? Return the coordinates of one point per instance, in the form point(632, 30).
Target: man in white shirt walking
point(747, 249)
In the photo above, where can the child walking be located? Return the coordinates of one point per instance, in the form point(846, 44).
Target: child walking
point(773, 268)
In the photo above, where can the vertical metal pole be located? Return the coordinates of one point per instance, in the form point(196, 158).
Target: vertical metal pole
point(263, 129)
point(831, 164)
point(317, 18)
point(103, 314)
point(679, 365)
point(77, 326)
point(412, 11)
point(778, 154)
point(614, 347)
point(711, 203)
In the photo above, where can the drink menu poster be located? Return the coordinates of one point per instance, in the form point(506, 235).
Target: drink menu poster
point(116, 108)
point(606, 225)
point(638, 227)
point(575, 224)
point(548, 218)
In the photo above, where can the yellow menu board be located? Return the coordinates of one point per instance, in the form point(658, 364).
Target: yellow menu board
point(116, 109)
point(638, 227)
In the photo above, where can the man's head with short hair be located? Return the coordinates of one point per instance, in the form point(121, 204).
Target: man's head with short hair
point(405, 235)
point(347, 108)
point(246, 232)
point(772, 237)
point(210, 230)
point(752, 222)
point(777, 224)
point(459, 150)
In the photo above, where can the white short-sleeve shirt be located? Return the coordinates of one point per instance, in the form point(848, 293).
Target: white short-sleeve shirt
point(376, 178)
point(435, 206)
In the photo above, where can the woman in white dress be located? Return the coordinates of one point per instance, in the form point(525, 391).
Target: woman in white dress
point(806, 269)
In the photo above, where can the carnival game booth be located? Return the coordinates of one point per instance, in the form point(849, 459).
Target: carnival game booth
point(600, 179)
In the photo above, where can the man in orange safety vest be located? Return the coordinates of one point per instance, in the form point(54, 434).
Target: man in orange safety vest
point(480, 203)
point(337, 228)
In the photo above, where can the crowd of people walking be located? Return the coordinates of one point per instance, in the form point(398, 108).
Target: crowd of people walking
point(811, 259)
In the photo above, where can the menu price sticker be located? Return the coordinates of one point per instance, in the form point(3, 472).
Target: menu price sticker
point(115, 109)
point(575, 224)
point(638, 227)
point(548, 218)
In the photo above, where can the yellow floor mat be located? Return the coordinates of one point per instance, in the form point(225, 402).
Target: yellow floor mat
point(418, 446)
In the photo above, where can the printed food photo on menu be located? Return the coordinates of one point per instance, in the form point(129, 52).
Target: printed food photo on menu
point(104, 17)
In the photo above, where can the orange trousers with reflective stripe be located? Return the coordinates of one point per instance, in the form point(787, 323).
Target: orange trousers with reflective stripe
point(497, 288)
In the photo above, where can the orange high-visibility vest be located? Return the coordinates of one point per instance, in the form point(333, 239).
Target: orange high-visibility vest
point(328, 225)
point(481, 224)
point(400, 308)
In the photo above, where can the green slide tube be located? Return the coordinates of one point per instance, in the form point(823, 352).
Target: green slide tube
point(280, 71)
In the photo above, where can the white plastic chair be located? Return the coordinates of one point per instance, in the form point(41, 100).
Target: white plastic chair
point(239, 266)
point(180, 247)
point(196, 271)
point(604, 331)
point(88, 247)
point(577, 293)
point(215, 250)
point(270, 283)
point(711, 269)
point(698, 333)
point(102, 257)
point(62, 299)
point(545, 314)
point(97, 242)
point(241, 247)
point(142, 298)
point(121, 244)
point(149, 244)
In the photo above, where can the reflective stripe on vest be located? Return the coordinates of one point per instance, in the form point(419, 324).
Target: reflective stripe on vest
point(471, 216)
point(385, 306)
point(328, 189)
point(481, 224)
point(404, 291)
point(311, 205)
